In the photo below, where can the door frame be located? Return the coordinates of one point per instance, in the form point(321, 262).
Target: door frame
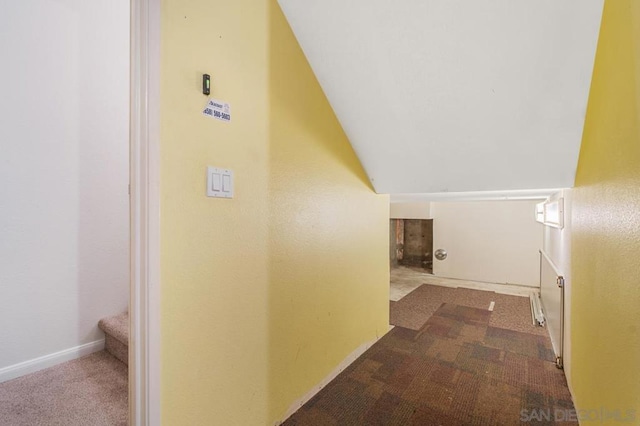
point(144, 178)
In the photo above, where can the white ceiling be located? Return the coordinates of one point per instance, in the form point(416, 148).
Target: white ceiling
point(450, 96)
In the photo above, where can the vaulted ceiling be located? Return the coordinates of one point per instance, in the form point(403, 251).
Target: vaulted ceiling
point(455, 96)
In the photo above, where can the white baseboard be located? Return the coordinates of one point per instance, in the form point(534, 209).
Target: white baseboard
point(339, 369)
point(36, 364)
point(502, 288)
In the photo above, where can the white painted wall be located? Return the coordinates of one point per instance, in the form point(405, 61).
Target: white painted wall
point(492, 241)
point(63, 173)
point(418, 210)
point(447, 96)
point(557, 245)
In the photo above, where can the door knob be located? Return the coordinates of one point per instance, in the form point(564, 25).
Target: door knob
point(440, 254)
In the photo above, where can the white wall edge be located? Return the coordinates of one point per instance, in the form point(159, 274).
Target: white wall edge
point(324, 382)
point(144, 307)
point(510, 289)
point(522, 194)
point(46, 361)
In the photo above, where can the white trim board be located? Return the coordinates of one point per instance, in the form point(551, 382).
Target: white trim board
point(510, 289)
point(144, 305)
point(324, 382)
point(46, 361)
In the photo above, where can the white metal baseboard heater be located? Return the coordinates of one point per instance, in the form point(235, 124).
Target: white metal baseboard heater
point(537, 316)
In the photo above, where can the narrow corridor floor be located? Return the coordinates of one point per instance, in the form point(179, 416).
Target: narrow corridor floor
point(457, 369)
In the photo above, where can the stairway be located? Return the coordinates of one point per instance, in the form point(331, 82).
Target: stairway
point(116, 330)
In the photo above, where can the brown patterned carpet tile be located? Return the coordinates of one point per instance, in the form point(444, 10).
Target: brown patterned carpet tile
point(511, 312)
point(413, 310)
point(456, 369)
point(514, 313)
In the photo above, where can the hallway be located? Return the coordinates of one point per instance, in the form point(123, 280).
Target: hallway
point(464, 365)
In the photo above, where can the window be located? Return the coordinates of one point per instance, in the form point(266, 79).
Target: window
point(551, 213)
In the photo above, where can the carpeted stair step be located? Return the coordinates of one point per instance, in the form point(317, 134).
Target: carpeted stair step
point(116, 330)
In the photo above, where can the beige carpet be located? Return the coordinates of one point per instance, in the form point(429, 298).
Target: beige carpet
point(89, 391)
point(116, 333)
point(511, 312)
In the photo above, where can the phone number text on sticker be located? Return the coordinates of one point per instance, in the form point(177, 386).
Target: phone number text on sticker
point(218, 110)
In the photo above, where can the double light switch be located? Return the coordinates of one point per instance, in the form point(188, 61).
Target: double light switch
point(219, 182)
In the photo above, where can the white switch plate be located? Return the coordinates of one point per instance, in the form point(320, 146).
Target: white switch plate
point(219, 182)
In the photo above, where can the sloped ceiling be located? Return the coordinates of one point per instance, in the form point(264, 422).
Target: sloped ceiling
point(450, 96)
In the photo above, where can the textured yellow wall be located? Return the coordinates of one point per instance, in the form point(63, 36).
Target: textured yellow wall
point(328, 235)
point(606, 225)
point(264, 294)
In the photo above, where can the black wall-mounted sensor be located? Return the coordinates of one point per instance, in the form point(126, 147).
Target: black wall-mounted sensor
point(206, 84)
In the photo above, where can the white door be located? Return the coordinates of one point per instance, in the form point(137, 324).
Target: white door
point(491, 241)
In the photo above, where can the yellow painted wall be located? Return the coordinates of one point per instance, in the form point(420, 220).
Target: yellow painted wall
point(605, 315)
point(328, 233)
point(262, 295)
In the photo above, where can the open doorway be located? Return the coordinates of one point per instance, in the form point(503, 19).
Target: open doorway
point(411, 243)
point(64, 202)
